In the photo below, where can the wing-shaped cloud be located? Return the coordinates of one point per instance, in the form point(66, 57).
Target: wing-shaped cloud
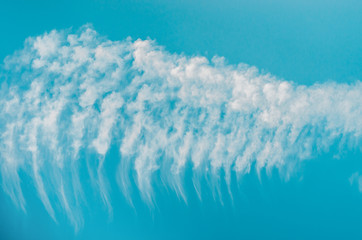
point(67, 93)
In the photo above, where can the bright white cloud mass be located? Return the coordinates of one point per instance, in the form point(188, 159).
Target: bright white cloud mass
point(69, 96)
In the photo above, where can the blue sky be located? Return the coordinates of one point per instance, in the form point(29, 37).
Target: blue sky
point(159, 139)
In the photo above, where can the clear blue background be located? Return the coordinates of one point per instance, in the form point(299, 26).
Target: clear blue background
point(303, 41)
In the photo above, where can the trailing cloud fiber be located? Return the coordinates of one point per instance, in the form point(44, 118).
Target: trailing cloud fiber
point(66, 94)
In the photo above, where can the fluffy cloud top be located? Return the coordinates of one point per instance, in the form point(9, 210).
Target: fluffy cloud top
point(67, 93)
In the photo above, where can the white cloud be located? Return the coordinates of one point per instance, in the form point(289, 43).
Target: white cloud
point(67, 93)
point(355, 178)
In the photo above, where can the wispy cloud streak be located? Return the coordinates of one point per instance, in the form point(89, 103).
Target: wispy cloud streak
point(70, 92)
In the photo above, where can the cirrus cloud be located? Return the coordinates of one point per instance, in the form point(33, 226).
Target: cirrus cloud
point(69, 92)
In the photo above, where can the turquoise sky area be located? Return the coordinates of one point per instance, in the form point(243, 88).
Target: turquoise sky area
point(180, 119)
